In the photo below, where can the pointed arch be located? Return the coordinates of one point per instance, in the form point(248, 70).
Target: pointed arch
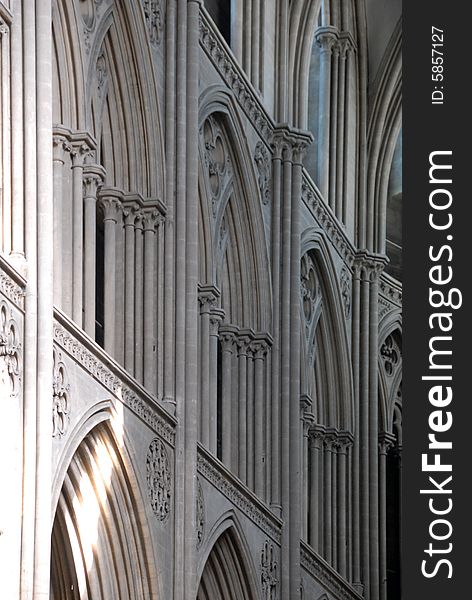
point(100, 546)
point(233, 246)
point(329, 360)
point(383, 130)
point(68, 67)
point(390, 326)
point(123, 113)
point(226, 572)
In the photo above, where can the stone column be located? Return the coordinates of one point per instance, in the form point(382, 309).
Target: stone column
point(80, 151)
point(139, 297)
point(60, 149)
point(94, 176)
point(334, 129)
point(207, 299)
point(344, 442)
point(111, 206)
point(325, 39)
point(317, 433)
point(386, 441)
point(216, 316)
point(275, 375)
point(150, 222)
point(130, 211)
point(328, 497)
point(227, 339)
point(307, 420)
point(242, 343)
point(259, 348)
point(250, 417)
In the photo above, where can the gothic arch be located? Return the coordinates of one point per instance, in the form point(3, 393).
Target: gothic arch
point(383, 130)
point(389, 385)
point(68, 67)
point(100, 546)
point(332, 362)
point(232, 239)
point(225, 569)
point(123, 114)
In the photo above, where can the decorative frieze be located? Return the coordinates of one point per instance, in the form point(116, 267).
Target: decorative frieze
point(10, 350)
point(239, 496)
point(142, 407)
point(9, 284)
point(326, 576)
point(159, 480)
point(327, 221)
point(231, 73)
point(269, 572)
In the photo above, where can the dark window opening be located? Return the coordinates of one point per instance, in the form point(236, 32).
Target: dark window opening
point(393, 525)
point(100, 281)
point(220, 12)
point(219, 408)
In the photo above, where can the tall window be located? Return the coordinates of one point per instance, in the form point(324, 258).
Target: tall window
point(220, 12)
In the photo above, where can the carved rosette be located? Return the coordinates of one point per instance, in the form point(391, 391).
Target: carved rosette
point(200, 514)
point(153, 13)
point(216, 159)
point(310, 289)
point(390, 354)
point(346, 291)
point(10, 350)
point(158, 476)
point(60, 396)
point(269, 579)
point(262, 162)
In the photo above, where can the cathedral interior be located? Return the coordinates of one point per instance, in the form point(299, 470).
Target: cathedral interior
point(200, 299)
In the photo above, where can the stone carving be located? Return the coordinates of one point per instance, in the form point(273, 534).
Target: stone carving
point(216, 159)
point(3, 27)
point(262, 161)
point(60, 397)
point(200, 514)
point(102, 74)
point(154, 20)
point(390, 353)
point(327, 221)
point(310, 289)
point(336, 585)
point(238, 495)
point(143, 407)
point(10, 347)
point(235, 80)
point(346, 291)
point(159, 480)
point(9, 286)
point(90, 11)
point(269, 578)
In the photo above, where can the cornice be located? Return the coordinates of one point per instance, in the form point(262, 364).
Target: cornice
point(93, 359)
point(12, 284)
point(326, 576)
point(226, 483)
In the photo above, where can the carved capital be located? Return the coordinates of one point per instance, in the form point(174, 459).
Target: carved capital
point(111, 206)
point(216, 317)
point(326, 38)
point(243, 341)
point(207, 297)
point(227, 335)
point(60, 147)
point(386, 441)
point(368, 266)
point(317, 434)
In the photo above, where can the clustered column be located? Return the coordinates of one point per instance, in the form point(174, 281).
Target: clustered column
point(329, 505)
point(367, 268)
